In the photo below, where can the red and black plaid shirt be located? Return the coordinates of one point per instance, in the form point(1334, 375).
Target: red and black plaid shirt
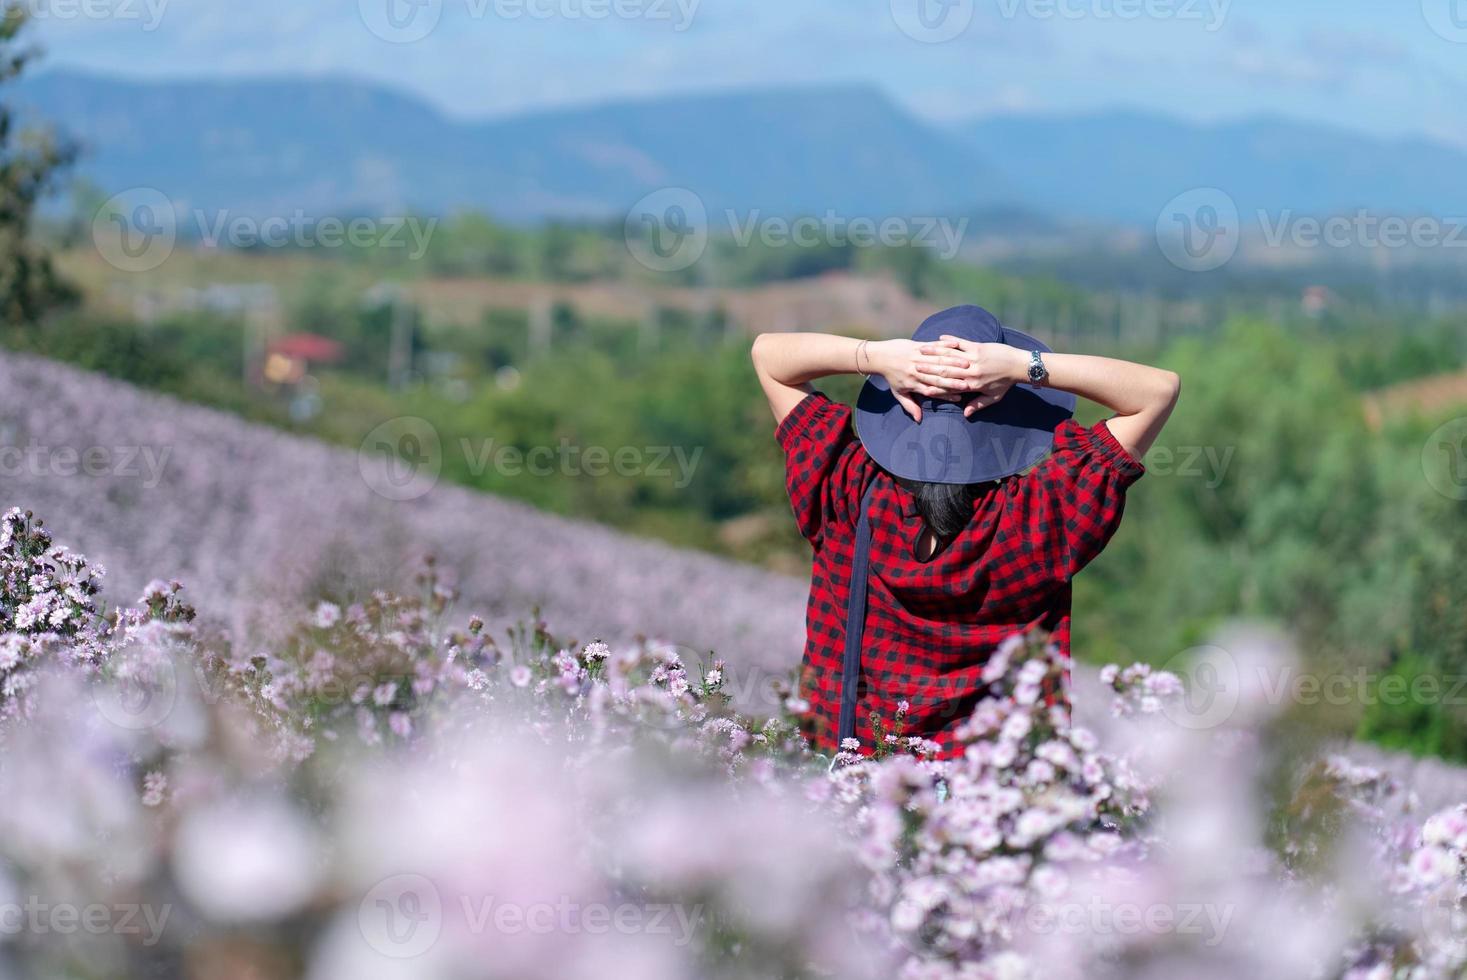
point(931, 625)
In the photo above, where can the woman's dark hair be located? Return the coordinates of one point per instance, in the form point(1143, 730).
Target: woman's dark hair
point(944, 507)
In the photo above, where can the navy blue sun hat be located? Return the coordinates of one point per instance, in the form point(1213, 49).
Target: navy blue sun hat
point(946, 447)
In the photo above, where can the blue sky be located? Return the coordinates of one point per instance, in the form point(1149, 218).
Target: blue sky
point(1387, 66)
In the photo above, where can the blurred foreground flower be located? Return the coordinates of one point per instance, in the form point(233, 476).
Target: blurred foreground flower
point(384, 794)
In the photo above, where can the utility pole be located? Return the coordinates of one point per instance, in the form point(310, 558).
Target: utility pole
point(541, 326)
point(400, 350)
point(400, 338)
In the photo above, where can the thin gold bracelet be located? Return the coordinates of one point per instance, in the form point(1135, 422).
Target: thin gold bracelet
point(860, 349)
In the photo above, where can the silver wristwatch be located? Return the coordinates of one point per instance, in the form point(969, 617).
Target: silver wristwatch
point(1038, 373)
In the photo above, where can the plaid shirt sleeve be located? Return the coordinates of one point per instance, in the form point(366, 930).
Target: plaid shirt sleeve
point(1078, 494)
point(821, 465)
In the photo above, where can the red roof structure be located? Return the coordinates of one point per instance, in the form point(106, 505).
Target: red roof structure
point(307, 347)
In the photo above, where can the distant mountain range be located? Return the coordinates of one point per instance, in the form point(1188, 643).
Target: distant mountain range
point(1125, 166)
point(334, 146)
point(337, 146)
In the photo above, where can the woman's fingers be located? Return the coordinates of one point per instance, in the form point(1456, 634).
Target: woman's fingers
point(981, 402)
point(938, 392)
point(949, 382)
point(908, 405)
point(944, 356)
point(936, 389)
point(939, 369)
point(945, 348)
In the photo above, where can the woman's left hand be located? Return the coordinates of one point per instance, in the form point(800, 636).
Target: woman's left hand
point(991, 370)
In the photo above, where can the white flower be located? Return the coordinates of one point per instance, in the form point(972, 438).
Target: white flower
point(1016, 728)
point(1432, 865)
point(1447, 828)
point(1040, 771)
point(327, 615)
point(1050, 882)
point(247, 861)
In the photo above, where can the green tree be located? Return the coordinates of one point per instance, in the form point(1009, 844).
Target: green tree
point(31, 163)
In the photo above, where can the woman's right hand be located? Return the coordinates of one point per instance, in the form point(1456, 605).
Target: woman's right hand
point(903, 364)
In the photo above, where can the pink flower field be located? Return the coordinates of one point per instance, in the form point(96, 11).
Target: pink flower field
point(317, 753)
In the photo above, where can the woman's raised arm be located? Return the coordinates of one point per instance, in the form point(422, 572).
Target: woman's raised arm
point(787, 362)
point(1142, 397)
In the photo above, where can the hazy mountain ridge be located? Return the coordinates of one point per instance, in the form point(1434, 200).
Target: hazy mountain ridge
point(1089, 166)
point(332, 146)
